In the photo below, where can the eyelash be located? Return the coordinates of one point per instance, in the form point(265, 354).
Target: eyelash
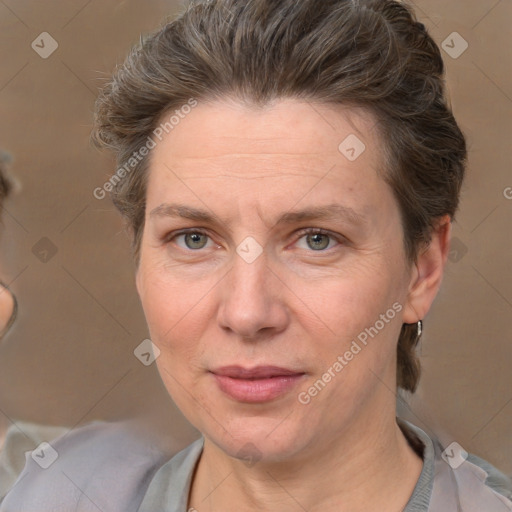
point(302, 233)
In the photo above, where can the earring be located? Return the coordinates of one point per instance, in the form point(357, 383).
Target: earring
point(420, 331)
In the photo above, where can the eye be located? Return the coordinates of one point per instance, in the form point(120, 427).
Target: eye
point(317, 239)
point(192, 240)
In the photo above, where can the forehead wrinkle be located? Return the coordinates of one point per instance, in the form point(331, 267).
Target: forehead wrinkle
point(190, 168)
point(277, 158)
point(234, 177)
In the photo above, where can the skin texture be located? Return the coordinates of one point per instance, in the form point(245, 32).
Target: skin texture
point(294, 306)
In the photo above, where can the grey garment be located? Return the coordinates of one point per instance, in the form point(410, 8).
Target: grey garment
point(102, 467)
point(20, 438)
point(474, 486)
point(113, 467)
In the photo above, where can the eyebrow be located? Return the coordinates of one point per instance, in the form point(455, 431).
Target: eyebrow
point(326, 212)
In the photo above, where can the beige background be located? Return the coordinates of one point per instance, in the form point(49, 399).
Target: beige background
point(70, 356)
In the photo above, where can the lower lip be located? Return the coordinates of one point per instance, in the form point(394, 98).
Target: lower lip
point(257, 390)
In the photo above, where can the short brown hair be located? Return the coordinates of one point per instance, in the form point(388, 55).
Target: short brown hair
point(366, 53)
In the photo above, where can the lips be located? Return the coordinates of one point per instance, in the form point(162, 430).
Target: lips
point(256, 385)
point(259, 372)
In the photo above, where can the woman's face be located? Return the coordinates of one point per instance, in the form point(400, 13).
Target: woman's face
point(250, 312)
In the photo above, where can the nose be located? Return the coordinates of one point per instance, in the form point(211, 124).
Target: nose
point(253, 300)
point(8, 309)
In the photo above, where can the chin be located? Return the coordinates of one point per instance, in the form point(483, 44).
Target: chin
point(258, 438)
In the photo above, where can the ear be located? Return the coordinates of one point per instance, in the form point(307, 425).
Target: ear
point(427, 272)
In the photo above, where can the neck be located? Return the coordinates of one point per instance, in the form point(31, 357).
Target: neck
point(369, 467)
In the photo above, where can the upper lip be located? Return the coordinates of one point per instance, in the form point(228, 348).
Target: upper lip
point(258, 372)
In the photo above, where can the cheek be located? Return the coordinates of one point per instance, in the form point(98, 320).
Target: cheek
point(354, 357)
point(361, 320)
point(177, 311)
point(171, 304)
point(172, 309)
point(350, 302)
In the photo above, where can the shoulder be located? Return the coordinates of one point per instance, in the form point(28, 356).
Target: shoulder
point(466, 482)
point(20, 438)
point(495, 479)
point(457, 480)
point(479, 479)
point(105, 466)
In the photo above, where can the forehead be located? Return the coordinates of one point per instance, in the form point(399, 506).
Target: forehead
point(290, 146)
point(286, 128)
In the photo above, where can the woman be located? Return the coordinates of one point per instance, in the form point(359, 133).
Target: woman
point(289, 172)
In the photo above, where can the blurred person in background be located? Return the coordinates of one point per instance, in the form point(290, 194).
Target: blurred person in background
point(16, 437)
point(21, 440)
point(8, 303)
